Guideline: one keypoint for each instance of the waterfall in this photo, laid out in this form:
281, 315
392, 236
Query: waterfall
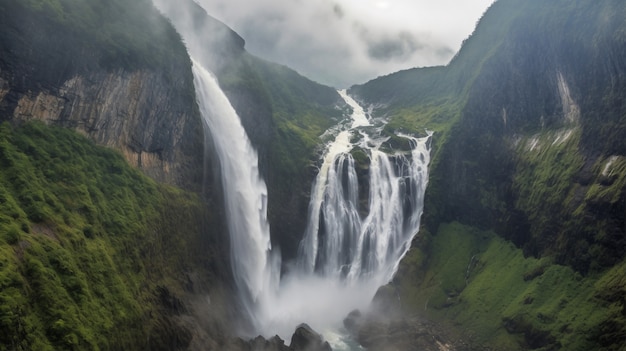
355, 238
349, 248
339, 243
345, 254
255, 266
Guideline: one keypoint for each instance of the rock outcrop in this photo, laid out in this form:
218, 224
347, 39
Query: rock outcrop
128, 86
138, 113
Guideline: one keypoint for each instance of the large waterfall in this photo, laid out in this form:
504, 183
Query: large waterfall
349, 249
339, 242
355, 237
255, 267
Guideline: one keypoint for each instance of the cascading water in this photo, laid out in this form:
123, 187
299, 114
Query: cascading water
350, 249
341, 244
255, 267
353, 242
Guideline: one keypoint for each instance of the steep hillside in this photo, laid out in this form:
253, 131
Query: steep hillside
89, 259
529, 119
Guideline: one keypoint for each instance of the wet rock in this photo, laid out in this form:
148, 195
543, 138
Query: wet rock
273, 344
306, 339
353, 321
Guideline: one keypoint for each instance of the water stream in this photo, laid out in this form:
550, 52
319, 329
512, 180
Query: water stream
361, 218
255, 266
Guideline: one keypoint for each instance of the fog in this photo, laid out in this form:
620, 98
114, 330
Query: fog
345, 42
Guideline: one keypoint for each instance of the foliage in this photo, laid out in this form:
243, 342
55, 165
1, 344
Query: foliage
84, 241
547, 166
51, 40
506, 301
509, 160
284, 115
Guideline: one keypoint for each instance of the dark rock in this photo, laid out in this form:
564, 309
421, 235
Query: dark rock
275, 343
353, 321
306, 339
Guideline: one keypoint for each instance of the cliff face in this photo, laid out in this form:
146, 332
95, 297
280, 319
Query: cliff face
118, 73
529, 114
136, 113
543, 117
529, 143
137, 100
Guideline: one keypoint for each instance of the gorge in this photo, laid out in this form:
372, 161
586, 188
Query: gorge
131, 217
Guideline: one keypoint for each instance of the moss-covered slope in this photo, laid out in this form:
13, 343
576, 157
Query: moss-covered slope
94, 255
504, 300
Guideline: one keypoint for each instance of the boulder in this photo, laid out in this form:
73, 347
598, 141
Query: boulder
306, 339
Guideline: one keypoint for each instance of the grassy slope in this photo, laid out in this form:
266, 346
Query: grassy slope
506, 301
88, 244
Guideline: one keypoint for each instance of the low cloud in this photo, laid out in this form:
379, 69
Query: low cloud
345, 42
402, 46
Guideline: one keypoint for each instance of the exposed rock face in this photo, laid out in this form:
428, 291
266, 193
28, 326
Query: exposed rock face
138, 113
123, 89
306, 339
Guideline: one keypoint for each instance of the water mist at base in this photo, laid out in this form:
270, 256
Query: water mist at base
346, 254
350, 249
353, 241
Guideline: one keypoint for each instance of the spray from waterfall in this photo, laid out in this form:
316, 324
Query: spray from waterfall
345, 256
354, 239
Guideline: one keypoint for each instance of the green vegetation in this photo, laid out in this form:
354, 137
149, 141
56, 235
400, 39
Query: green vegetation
435, 116
87, 244
285, 115
538, 261
506, 301
128, 34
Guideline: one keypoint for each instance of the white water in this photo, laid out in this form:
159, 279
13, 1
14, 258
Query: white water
342, 245
347, 252
345, 255
255, 267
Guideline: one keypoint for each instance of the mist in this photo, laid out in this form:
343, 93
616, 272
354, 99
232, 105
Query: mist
345, 42
275, 303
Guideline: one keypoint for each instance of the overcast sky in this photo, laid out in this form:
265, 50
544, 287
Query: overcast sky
346, 42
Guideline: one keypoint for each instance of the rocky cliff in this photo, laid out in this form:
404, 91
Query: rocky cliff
124, 90
528, 119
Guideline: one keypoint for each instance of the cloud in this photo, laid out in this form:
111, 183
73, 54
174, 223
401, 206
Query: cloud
344, 42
